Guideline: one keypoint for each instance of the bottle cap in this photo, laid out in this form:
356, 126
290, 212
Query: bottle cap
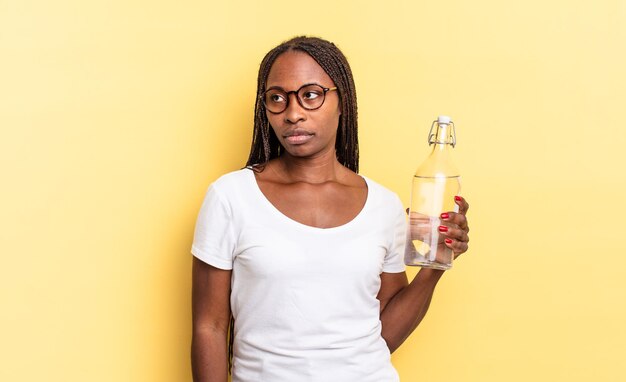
443, 120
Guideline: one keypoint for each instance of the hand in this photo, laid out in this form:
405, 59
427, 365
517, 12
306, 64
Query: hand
455, 229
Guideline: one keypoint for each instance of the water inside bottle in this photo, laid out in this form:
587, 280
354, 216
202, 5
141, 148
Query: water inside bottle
430, 197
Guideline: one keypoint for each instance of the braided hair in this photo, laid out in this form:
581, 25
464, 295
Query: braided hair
265, 144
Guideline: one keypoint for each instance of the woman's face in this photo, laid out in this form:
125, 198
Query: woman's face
304, 133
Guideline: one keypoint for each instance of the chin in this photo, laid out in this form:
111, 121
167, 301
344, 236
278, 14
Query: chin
299, 152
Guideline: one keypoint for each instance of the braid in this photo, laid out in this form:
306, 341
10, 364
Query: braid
265, 144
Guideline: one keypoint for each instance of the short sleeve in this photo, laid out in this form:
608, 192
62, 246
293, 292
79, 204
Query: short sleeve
394, 259
214, 239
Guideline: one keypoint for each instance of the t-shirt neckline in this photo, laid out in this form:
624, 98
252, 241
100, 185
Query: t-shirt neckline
275, 211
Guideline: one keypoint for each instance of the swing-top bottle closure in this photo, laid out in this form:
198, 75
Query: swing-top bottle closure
442, 132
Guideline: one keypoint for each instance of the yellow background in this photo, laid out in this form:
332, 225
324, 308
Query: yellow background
116, 115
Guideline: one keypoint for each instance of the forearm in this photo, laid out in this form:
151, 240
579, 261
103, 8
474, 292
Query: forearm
209, 356
408, 307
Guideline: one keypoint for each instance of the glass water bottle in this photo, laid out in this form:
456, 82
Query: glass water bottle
435, 184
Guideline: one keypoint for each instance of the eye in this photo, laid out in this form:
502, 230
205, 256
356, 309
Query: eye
275, 98
311, 94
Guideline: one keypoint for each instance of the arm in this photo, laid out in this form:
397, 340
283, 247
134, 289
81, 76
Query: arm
211, 319
404, 305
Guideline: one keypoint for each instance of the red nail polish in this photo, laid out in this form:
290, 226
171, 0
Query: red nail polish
458, 198
445, 215
449, 241
443, 228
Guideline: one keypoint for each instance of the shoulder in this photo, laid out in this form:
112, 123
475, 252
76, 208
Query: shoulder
381, 193
384, 203
229, 192
233, 180
230, 187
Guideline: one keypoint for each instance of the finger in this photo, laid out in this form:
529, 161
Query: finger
455, 219
458, 247
457, 234
462, 203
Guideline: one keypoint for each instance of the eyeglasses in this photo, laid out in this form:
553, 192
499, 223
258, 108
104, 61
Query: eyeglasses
309, 96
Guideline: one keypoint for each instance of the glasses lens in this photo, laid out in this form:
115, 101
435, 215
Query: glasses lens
311, 96
275, 100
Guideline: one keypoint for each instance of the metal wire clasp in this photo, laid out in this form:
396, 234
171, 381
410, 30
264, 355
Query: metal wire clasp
431, 136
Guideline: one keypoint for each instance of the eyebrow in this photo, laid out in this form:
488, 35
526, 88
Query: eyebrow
301, 86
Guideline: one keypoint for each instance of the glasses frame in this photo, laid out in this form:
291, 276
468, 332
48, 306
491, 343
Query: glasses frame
288, 99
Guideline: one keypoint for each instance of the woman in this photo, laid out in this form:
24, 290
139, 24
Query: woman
305, 254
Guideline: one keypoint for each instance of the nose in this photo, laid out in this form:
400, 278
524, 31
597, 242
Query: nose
294, 111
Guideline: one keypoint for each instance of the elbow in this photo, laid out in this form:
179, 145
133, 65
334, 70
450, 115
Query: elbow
393, 345
393, 342
211, 330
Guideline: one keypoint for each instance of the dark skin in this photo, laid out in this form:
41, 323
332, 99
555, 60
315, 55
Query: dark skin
309, 185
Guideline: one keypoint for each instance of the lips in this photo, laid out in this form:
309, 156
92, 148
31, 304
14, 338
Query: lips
298, 137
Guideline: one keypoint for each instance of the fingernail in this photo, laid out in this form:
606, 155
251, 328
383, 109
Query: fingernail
445, 215
443, 228
448, 241
458, 198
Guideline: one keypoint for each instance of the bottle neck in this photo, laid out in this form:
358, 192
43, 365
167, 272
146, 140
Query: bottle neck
443, 137
439, 163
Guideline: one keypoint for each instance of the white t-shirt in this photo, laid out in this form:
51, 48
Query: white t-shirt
303, 298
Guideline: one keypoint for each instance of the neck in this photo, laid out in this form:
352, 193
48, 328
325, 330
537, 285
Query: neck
317, 170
